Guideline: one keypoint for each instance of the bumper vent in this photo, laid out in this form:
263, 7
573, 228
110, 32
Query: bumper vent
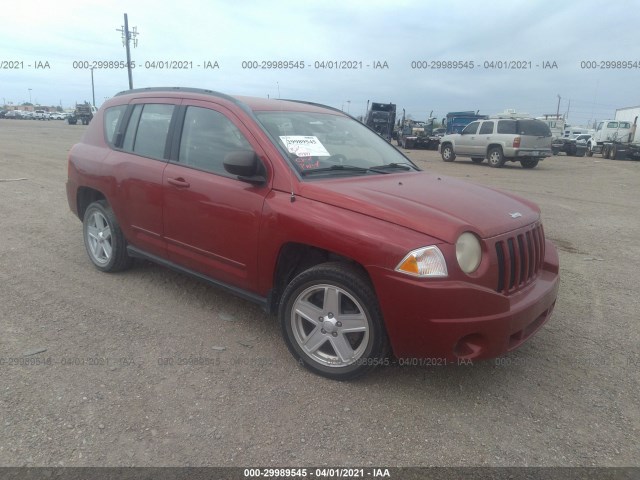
520, 258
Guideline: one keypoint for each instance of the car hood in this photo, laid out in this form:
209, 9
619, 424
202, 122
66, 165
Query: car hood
438, 206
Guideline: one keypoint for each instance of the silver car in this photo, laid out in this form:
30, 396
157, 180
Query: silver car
499, 140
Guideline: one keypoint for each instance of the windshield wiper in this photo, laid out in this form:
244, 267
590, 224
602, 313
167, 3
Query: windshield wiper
390, 166
335, 168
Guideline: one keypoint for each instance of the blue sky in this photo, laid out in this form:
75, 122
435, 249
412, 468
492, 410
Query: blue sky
533, 33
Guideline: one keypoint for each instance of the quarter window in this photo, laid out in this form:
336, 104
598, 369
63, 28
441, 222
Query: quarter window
507, 126
207, 138
112, 117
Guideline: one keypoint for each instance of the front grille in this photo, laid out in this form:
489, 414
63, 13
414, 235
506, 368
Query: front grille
520, 258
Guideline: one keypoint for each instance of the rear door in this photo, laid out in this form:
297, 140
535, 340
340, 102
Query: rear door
484, 137
138, 165
212, 219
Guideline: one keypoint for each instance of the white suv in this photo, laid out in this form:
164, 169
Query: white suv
518, 140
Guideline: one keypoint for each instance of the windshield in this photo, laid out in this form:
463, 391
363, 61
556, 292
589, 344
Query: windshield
331, 144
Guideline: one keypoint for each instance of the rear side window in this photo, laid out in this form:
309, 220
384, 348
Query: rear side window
486, 128
471, 128
507, 126
112, 117
534, 128
148, 128
207, 138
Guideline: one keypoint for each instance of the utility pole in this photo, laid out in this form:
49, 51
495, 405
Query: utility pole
127, 37
558, 110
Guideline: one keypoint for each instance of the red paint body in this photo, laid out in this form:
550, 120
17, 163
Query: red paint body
233, 231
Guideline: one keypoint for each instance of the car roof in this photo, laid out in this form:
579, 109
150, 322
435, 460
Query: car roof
253, 104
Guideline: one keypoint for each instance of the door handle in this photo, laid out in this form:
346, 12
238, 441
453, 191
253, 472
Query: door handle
179, 182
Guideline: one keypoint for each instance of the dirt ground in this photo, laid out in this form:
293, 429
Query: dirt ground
150, 367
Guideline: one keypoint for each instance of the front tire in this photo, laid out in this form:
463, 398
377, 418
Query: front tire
447, 153
331, 322
103, 238
496, 157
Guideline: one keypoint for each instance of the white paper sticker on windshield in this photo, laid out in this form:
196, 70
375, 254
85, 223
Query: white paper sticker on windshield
304, 146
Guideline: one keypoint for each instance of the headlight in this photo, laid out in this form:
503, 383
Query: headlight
468, 252
424, 262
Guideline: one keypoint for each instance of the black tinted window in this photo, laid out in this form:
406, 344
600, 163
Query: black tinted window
507, 126
533, 127
207, 138
486, 128
471, 128
148, 136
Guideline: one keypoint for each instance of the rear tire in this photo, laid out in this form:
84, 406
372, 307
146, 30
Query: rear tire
103, 238
529, 163
589, 152
496, 157
447, 153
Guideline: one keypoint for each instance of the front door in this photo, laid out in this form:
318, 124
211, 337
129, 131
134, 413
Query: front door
212, 219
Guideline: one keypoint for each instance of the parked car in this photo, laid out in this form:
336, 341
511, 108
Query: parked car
27, 115
574, 145
56, 116
14, 114
3, 113
309, 213
41, 115
500, 140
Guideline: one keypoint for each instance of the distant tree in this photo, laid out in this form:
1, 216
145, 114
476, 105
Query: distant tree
27, 104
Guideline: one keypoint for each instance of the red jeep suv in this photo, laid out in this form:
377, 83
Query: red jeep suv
307, 212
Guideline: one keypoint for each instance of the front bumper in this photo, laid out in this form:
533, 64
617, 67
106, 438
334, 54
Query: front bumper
458, 320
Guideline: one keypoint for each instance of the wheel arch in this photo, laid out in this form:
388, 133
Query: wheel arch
493, 145
294, 258
85, 197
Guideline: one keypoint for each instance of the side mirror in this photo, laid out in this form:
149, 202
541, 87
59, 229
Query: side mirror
246, 166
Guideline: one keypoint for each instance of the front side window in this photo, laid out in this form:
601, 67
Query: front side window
471, 128
612, 125
331, 144
207, 138
147, 130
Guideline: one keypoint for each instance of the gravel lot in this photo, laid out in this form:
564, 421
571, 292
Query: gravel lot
150, 367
